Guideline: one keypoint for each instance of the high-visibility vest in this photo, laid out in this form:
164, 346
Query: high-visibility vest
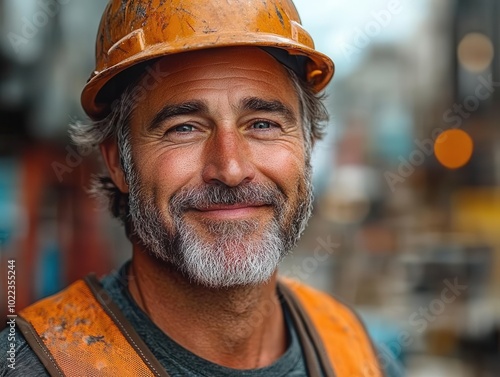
81, 332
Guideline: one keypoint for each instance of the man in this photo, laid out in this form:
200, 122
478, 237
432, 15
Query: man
205, 114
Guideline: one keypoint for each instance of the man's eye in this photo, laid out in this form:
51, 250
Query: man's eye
183, 128
261, 124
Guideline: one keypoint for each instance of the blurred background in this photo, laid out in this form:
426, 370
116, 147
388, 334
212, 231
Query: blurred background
407, 182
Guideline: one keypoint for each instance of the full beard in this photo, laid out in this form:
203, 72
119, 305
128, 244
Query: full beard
222, 253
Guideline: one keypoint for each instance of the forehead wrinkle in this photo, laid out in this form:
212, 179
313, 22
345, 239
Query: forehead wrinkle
183, 82
184, 67
228, 65
187, 86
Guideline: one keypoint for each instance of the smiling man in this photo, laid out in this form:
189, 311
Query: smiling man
206, 114
217, 179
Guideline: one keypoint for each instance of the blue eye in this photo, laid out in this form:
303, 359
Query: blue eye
184, 128
262, 125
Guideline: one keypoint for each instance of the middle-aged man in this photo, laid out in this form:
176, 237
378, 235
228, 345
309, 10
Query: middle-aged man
205, 113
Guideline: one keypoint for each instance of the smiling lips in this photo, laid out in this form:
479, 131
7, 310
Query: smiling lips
224, 211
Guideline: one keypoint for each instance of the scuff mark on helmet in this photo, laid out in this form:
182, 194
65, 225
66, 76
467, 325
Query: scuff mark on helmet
280, 16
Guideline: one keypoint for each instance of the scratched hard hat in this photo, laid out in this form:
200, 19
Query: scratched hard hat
134, 32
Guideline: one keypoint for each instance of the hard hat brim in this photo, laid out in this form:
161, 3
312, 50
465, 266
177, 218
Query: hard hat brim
100, 81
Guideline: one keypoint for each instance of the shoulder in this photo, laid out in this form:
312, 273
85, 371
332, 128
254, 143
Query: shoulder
318, 302
324, 311
74, 306
336, 325
20, 359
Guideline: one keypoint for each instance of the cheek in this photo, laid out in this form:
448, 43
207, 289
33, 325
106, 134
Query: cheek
284, 166
166, 172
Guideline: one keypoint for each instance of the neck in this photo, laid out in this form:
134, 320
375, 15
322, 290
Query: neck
240, 327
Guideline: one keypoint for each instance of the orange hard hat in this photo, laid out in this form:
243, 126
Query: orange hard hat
136, 31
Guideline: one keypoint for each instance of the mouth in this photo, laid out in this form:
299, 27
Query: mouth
233, 211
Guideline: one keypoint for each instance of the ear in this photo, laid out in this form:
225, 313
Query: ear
111, 156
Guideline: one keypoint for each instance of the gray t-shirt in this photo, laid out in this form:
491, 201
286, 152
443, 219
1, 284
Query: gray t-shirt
177, 361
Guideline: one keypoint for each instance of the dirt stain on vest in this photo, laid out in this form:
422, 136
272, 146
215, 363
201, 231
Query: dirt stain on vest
94, 339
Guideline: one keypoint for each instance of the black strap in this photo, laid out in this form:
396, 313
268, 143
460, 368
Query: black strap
124, 325
317, 360
38, 347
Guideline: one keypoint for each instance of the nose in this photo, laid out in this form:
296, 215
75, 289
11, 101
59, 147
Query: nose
227, 159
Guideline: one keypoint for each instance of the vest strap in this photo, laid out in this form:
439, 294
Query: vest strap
38, 347
79, 332
125, 326
342, 344
316, 365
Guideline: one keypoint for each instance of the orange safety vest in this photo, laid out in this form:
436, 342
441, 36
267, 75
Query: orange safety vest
81, 332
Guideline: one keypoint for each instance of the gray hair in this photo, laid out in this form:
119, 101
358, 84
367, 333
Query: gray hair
116, 125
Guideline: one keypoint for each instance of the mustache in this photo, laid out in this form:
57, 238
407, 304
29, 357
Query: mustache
204, 196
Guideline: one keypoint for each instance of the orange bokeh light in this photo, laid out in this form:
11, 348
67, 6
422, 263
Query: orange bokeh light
453, 148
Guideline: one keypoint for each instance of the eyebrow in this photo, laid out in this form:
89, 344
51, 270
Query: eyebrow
269, 106
171, 111
194, 107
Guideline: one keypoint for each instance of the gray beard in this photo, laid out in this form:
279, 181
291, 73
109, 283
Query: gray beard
231, 252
